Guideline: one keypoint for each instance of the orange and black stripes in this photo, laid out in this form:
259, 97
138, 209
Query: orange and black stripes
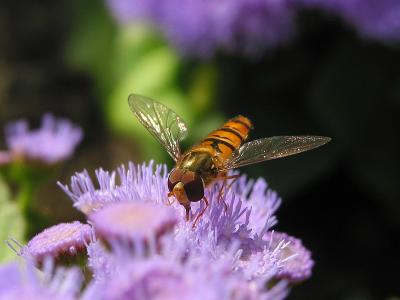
229, 137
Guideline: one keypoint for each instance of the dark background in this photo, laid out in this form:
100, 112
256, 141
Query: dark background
342, 200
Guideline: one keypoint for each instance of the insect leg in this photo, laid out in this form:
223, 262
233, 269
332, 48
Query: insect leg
169, 202
222, 190
200, 213
187, 213
235, 178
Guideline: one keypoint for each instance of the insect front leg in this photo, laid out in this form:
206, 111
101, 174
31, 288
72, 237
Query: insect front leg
169, 202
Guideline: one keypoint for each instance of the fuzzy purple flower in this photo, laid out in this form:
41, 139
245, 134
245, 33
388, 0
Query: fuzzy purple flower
165, 275
53, 142
59, 242
122, 205
138, 183
51, 284
296, 259
200, 28
377, 19
134, 221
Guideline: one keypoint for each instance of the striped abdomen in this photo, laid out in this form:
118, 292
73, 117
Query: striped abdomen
229, 137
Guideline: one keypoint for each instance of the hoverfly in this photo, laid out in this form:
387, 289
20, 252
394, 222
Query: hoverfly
209, 160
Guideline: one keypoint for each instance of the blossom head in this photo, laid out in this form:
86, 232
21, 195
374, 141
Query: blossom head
229, 254
61, 242
138, 183
133, 221
26, 283
53, 142
296, 262
160, 276
378, 20
200, 28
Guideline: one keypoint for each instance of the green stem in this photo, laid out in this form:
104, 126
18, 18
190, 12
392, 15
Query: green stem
25, 197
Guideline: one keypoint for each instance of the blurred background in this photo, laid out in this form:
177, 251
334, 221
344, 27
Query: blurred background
293, 67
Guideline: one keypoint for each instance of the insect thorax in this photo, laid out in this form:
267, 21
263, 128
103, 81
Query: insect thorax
200, 162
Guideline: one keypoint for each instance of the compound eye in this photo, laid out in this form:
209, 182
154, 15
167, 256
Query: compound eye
194, 189
173, 178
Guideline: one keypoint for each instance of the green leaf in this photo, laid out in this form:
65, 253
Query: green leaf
90, 45
12, 224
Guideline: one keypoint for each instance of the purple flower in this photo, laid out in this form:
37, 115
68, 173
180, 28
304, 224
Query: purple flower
133, 202
5, 157
136, 221
138, 182
158, 276
100, 262
378, 19
61, 241
200, 28
53, 142
52, 284
296, 262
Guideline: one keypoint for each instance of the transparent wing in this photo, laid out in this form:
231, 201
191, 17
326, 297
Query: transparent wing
163, 123
271, 148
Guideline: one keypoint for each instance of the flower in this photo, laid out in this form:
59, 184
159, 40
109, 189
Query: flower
203, 27
231, 250
100, 262
200, 28
27, 283
5, 157
61, 241
296, 262
134, 221
376, 19
137, 182
53, 142
159, 276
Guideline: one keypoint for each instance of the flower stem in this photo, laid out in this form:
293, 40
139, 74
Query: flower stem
25, 197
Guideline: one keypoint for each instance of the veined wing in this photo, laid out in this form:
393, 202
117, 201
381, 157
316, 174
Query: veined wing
163, 123
271, 148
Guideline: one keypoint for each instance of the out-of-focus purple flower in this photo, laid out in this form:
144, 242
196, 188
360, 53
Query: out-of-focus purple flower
100, 262
199, 28
157, 276
52, 284
202, 27
378, 19
133, 221
53, 142
296, 262
5, 157
58, 242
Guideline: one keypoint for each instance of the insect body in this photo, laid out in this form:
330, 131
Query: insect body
221, 150
201, 165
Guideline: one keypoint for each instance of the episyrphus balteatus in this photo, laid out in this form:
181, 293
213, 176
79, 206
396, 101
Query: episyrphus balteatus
220, 151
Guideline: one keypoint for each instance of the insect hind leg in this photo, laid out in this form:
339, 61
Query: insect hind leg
201, 213
222, 191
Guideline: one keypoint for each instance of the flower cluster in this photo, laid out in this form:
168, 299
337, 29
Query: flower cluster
28, 283
139, 245
201, 27
377, 19
53, 142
